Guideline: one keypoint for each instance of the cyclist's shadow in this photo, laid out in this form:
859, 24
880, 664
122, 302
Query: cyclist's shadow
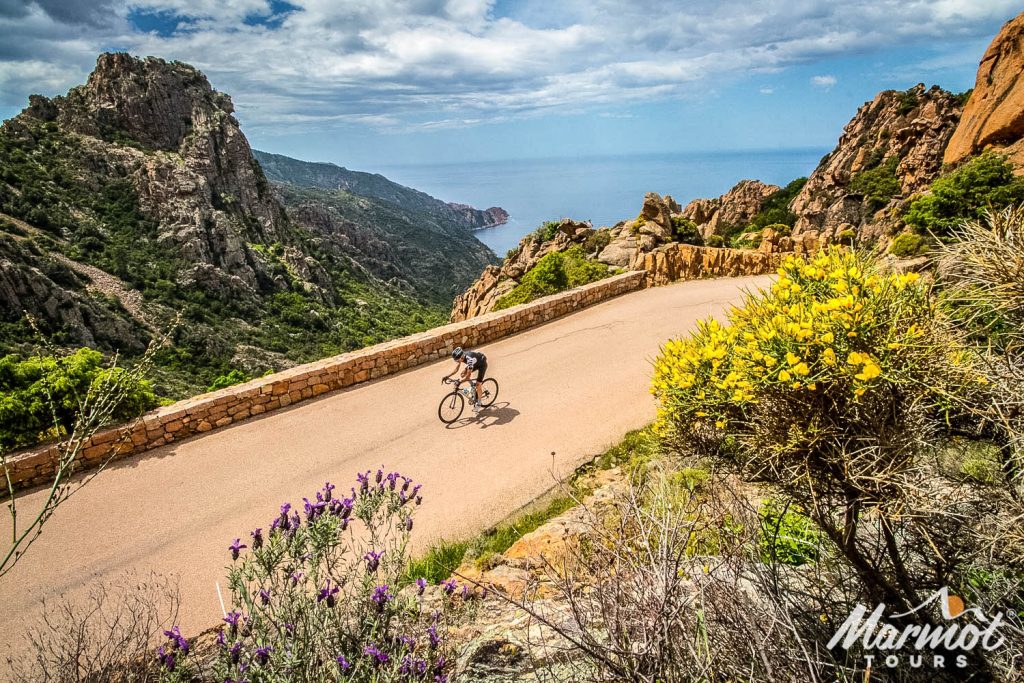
494, 416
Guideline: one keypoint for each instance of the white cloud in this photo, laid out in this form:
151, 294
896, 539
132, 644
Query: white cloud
767, 91
443, 63
826, 82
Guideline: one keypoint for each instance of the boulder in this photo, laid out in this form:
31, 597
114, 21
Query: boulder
655, 217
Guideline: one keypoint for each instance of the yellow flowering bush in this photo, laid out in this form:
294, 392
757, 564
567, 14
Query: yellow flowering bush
835, 358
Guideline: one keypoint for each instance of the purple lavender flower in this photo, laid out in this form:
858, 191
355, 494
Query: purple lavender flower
372, 560
327, 594
449, 586
290, 628
235, 652
421, 585
380, 476
419, 500
265, 596
257, 539
435, 640
221, 640
342, 663
236, 548
439, 665
232, 619
466, 594
380, 657
393, 480
179, 641
364, 481
262, 654
328, 487
405, 484
381, 595
408, 523
408, 641
296, 577
166, 659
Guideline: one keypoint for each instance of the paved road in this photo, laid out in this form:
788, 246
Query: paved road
572, 387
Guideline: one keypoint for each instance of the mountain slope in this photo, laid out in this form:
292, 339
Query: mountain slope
309, 174
141, 182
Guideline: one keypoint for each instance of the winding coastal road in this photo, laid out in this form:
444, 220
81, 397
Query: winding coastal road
571, 387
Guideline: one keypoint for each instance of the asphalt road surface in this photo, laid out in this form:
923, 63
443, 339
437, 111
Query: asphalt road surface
571, 387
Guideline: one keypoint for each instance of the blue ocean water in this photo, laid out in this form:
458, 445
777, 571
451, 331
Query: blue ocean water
603, 190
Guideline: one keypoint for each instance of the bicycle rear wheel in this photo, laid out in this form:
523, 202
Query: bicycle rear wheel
488, 391
451, 407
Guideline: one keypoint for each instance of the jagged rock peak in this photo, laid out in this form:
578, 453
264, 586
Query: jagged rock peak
901, 132
994, 115
736, 207
150, 101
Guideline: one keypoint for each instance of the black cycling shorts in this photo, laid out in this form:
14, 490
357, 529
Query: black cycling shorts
481, 370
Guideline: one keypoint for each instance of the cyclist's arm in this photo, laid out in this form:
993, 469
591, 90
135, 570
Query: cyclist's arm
448, 376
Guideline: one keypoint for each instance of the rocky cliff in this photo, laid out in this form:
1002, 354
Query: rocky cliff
994, 114
136, 196
736, 207
890, 150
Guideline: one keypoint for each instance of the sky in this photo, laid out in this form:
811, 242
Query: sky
380, 83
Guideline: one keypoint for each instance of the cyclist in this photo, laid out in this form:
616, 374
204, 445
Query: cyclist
474, 360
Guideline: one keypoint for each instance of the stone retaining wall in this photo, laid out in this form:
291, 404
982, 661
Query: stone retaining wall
240, 402
675, 261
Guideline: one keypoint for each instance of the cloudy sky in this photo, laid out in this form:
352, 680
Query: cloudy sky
370, 83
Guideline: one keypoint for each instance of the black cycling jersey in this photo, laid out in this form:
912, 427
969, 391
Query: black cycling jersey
476, 361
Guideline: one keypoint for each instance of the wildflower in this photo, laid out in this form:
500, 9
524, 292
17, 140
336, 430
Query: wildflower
435, 640
364, 481
221, 640
381, 595
179, 641
264, 596
784, 376
166, 659
421, 585
449, 586
232, 619
257, 539
372, 560
327, 594
328, 487
408, 523
236, 547
262, 654
380, 657
343, 663
466, 593
296, 577
235, 653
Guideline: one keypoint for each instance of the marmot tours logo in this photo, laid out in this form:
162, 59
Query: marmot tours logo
941, 645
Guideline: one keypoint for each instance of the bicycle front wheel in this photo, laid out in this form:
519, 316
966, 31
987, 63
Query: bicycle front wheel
451, 407
488, 391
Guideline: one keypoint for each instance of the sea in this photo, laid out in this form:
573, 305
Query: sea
601, 189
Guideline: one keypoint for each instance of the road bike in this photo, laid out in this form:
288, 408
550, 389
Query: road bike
454, 403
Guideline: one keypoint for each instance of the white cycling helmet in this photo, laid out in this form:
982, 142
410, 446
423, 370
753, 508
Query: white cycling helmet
457, 353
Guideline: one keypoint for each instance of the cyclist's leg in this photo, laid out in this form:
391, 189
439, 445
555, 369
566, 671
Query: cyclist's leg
481, 371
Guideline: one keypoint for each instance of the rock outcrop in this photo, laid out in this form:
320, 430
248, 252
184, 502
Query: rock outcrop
496, 281
900, 135
994, 114
738, 206
672, 262
653, 226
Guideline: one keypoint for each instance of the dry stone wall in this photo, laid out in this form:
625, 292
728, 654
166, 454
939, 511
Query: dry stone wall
240, 402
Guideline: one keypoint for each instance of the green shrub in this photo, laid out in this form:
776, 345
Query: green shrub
985, 182
236, 376
597, 241
546, 231
908, 101
686, 231
29, 387
908, 244
553, 273
847, 237
714, 241
787, 535
878, 184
